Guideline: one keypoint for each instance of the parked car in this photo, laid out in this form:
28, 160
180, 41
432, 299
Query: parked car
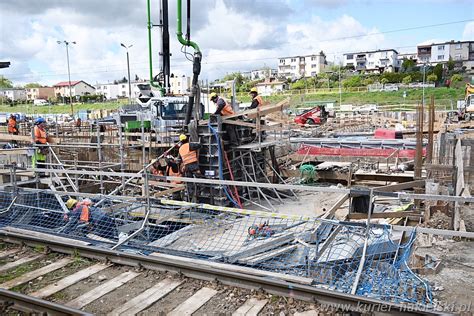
41, 102
316, 116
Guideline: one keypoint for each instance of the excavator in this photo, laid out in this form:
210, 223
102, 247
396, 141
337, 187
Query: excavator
467, 112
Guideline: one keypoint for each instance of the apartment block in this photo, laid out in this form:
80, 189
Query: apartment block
296, 67
372, 61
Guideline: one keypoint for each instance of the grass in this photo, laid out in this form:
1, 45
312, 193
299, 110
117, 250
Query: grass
59, 108
24, 268
444, 98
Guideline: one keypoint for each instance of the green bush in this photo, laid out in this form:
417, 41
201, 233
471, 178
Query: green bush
384, 81
456, 78
407, 79
432, 78
354, 81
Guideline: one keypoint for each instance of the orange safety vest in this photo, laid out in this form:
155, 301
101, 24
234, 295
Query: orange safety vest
171, 173
12, 126
259, 100
40, 135
187, 155
84, 214
227, 110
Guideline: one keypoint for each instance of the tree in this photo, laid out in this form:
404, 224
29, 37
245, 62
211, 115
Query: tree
384, 81
32, 85
438, 71
406, 79
407, 65
450, 63
432, 78
298, 85
5, 83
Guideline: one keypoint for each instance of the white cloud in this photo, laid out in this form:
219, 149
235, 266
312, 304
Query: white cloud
468, 33
232, 34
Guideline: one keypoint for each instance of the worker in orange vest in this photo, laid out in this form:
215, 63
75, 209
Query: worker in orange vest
189, 156
225, 109
12, 125
41, 138
257, 100
84, 218
172, 169
13, 128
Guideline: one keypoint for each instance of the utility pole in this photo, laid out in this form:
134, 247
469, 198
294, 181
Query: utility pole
68, 72
128, 69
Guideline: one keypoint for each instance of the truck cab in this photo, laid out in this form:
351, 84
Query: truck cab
163, 115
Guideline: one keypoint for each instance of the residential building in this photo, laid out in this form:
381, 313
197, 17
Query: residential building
180, 85
296, 67
43, 93
461, 52
263, 73
372, 61
271, 86
117, 90
439, 53
14, 94
408, 56
78, 88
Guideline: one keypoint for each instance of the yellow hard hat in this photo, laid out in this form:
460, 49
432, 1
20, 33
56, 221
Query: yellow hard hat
213, 95
182, 137
70, 203
254, 89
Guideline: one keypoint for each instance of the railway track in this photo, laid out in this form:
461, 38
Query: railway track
60, 277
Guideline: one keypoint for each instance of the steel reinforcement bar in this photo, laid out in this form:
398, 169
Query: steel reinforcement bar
193, 269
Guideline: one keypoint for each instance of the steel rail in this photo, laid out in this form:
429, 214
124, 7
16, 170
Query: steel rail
201, 270
29, 304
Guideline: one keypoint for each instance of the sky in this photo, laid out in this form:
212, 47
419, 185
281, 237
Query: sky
234, 35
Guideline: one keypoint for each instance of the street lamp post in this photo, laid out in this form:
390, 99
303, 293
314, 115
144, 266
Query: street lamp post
128, 69
68, 72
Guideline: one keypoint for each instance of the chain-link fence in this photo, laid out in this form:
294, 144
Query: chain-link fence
341, 256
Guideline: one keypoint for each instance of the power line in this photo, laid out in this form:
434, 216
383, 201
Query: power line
95, 69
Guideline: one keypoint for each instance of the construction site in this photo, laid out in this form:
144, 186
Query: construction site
164, 209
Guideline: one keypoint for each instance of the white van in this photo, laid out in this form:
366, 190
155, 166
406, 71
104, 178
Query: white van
40, 102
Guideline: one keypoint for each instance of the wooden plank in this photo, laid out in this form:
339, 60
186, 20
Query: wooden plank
146, 299
101, 290
68, 281
270, 243
253, 260
9, 252
401, 186
45, 236
169, 191
235, 268
36, 273
438, 167
383, 215
19, 262
251, 307
336, 206
193, 303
